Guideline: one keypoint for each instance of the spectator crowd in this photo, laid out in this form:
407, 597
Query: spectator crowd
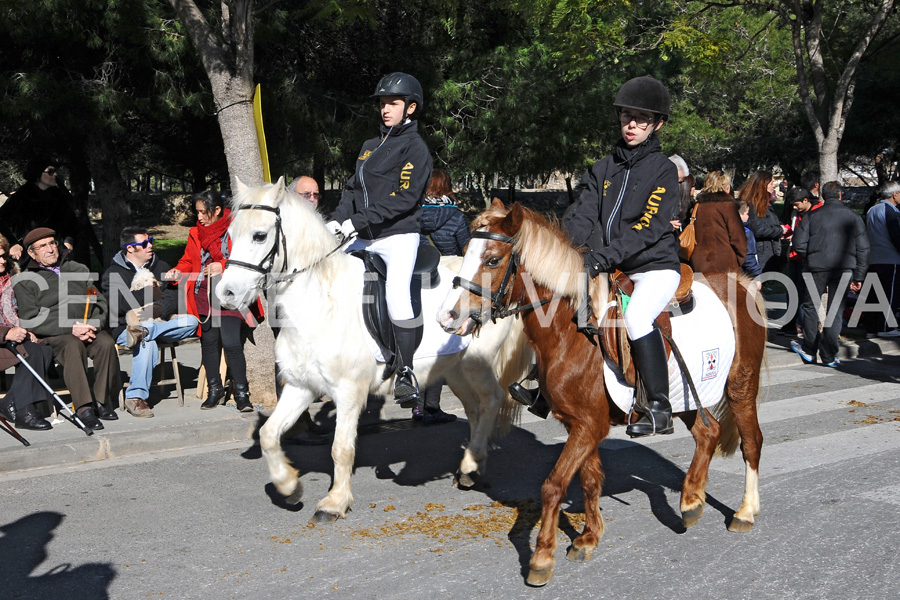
58, 314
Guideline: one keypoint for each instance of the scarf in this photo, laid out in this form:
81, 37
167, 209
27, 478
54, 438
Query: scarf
211, 235
442, 201
8, 314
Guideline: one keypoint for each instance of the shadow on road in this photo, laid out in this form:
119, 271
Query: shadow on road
23, 548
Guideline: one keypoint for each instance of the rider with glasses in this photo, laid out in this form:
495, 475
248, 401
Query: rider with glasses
382, 202
622, 218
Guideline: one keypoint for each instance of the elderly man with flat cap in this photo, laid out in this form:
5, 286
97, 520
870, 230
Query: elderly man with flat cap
53, 299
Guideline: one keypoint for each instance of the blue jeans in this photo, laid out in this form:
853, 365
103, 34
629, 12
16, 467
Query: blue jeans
146, 354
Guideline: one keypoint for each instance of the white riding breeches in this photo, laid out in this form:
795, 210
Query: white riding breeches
399, 254
653, 291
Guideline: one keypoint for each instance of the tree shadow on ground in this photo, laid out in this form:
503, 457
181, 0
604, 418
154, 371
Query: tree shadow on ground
23, 547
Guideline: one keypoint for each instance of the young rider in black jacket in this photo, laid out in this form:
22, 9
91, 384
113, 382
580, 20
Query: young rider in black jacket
382, 202
622, 217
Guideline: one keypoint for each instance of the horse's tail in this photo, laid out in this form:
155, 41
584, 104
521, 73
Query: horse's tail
512, 363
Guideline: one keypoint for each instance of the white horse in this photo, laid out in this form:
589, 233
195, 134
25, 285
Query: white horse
324, 348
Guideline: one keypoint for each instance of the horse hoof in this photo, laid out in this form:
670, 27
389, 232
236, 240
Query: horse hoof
465, 481
739, 526
539, 577
690, 517
296, 496
579, 554
323, 517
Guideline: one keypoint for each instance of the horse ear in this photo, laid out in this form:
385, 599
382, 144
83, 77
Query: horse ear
497, 203
513, 221
239, 186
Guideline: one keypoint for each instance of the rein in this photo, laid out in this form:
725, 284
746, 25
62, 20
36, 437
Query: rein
499, 309
280, 239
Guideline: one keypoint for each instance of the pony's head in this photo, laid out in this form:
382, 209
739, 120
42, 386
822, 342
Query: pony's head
506, 242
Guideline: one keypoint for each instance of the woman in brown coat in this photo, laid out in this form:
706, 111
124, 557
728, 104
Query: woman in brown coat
721, 242
18, 404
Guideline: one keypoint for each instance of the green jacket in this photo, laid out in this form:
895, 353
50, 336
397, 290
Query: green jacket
45, 310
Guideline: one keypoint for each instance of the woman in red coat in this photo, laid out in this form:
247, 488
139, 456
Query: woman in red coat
204, 259
721, 242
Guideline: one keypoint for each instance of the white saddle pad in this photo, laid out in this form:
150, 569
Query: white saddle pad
435, 341
705, 337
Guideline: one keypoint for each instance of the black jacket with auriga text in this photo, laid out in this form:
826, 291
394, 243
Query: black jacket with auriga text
384, 195
622, 216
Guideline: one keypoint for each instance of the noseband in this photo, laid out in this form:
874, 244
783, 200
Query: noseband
499, 307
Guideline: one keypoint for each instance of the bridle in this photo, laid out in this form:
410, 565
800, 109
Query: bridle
264, 267
500, 308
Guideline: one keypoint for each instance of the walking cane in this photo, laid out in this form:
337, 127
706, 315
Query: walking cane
68, 415
5, 426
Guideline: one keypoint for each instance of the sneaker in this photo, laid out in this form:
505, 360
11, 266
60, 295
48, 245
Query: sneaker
417, 415
890, 334
833, 363
137, 407
798, 348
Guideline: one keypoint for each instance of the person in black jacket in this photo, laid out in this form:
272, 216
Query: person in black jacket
622, 217
381, 204
40, 202
835, 249
758, 192
141, 307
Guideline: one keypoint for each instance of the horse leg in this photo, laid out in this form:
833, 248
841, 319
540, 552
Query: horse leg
591, 475
293, 402
573, 456
482, 398
742, 399
693, 490
349, 404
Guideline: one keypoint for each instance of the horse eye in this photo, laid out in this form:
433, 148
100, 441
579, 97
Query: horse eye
493, 261
259, 237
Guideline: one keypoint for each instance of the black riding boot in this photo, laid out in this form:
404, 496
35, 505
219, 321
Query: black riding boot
406, 386
215, 395
242, 397
649, 354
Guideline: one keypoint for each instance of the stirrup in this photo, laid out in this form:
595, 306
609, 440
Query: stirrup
406, 388
651, 423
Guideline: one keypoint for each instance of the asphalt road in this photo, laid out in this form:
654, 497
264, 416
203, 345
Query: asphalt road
205, 523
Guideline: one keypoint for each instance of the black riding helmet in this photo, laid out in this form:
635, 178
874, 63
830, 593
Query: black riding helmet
403, 85
644, 93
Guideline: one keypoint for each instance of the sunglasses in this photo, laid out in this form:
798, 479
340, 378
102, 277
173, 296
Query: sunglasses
50, 171
308, 195
144, 244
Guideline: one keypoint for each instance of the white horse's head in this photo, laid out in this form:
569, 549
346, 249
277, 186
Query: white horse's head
272, 232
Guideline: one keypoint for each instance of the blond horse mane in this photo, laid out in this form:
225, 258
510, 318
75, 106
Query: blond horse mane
547, 253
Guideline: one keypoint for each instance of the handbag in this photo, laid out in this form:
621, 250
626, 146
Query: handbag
688, 238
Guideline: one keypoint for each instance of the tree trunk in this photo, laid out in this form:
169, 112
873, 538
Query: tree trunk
227, 58
110, 188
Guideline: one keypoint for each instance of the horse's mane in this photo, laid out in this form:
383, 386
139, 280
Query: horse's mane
308, 240
546, 251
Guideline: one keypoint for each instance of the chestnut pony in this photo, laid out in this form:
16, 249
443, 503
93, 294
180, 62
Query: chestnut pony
571, 374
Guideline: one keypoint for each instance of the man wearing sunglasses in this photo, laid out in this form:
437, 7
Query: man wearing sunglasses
306, 188
42, 201
142, 311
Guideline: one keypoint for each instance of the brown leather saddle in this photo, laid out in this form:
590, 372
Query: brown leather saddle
614, 340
